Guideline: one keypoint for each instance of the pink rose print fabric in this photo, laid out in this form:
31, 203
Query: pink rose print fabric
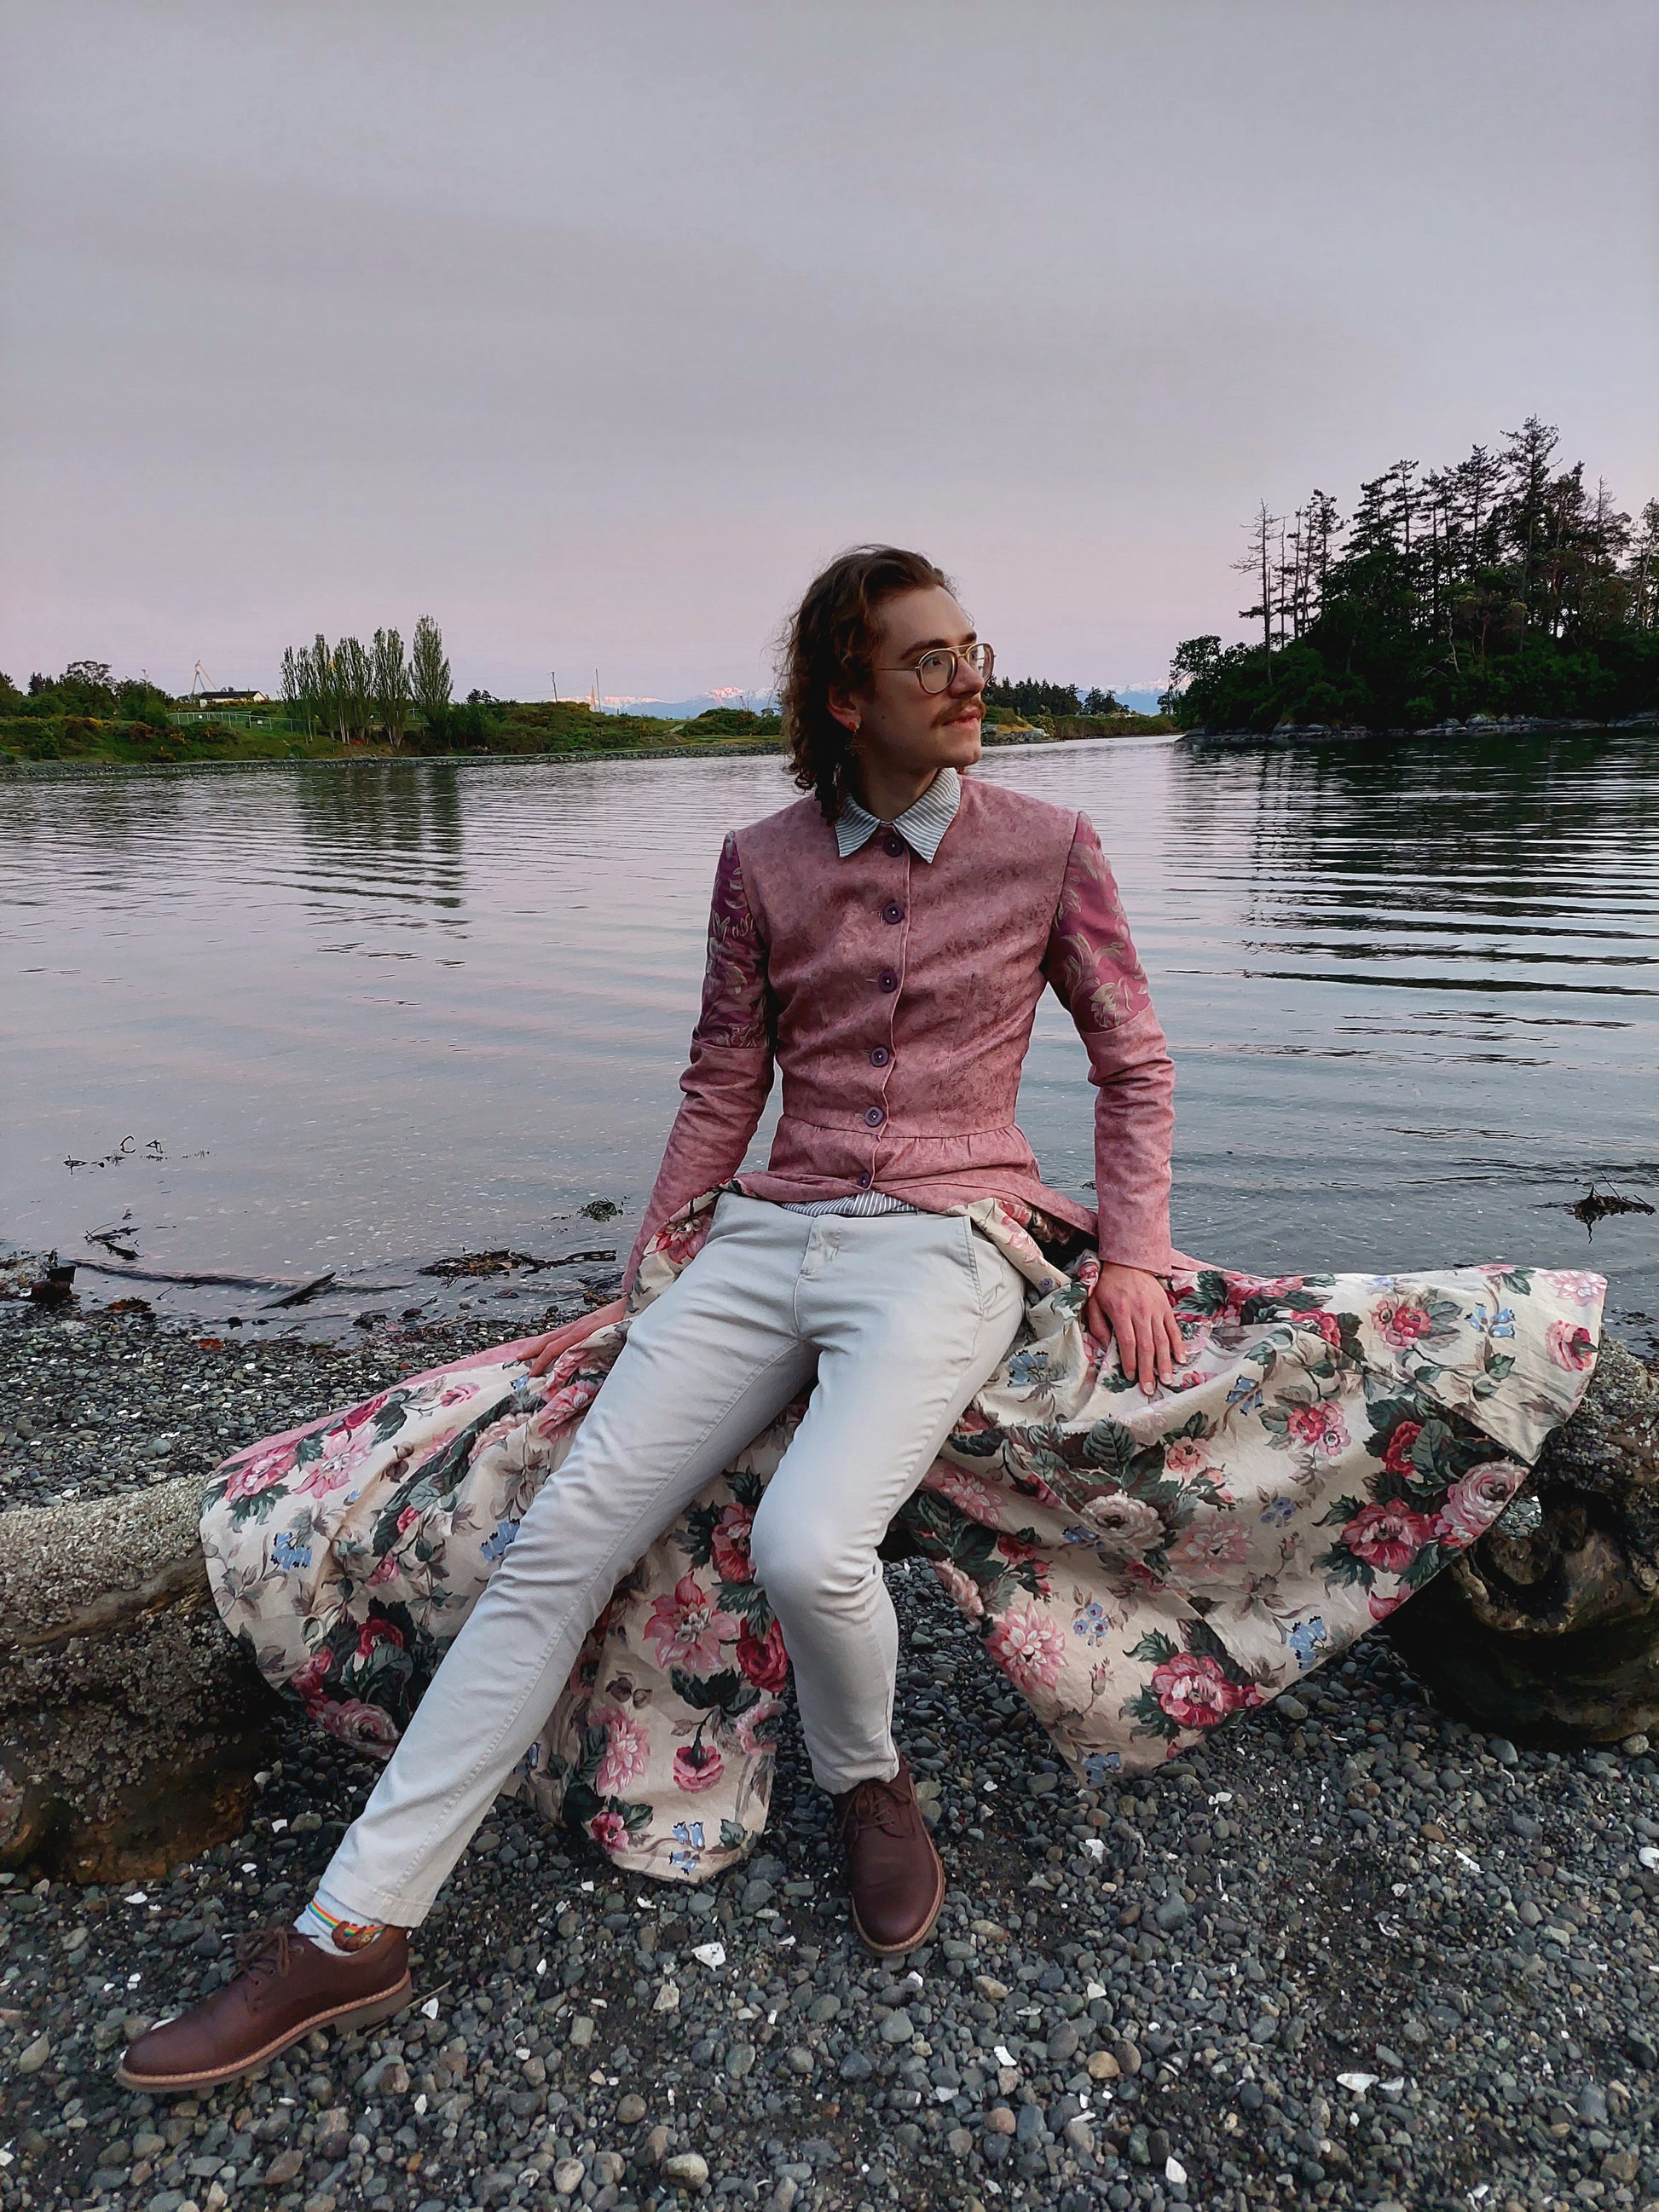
1138, 1569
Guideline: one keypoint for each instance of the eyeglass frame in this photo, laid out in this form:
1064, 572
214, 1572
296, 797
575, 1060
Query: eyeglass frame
945, 652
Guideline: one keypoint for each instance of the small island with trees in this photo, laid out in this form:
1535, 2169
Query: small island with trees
1502, 587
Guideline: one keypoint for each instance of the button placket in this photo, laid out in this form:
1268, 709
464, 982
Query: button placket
895, 911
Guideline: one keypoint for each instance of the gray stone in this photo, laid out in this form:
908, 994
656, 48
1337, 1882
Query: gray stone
897, 2028
689, 2167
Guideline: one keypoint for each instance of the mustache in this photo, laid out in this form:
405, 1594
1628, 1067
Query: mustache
975, 703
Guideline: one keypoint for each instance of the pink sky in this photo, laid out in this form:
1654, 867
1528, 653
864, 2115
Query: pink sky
591, 331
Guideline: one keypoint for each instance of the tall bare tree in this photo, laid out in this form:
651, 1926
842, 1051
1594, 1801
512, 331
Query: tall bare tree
1257, 562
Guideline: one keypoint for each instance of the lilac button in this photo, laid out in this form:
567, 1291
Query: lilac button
863, 1179
895, 847
892, 911
888, 980
874, 1116
880, 1056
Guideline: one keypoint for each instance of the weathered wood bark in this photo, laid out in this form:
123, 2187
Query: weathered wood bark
131, 1725
1550, 1633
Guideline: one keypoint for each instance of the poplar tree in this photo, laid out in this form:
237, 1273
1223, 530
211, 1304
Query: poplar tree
430, 672
293, 683
392, 688
354, 689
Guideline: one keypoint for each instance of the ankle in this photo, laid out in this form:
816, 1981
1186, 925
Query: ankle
333, 1929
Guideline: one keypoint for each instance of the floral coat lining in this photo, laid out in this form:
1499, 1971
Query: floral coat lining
1138, 1569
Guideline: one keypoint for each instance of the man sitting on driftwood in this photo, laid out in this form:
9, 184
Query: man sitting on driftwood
885, 943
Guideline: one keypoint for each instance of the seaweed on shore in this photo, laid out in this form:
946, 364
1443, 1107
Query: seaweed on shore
1595, 1205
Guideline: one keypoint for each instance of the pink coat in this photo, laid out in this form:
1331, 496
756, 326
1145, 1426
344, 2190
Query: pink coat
895, 996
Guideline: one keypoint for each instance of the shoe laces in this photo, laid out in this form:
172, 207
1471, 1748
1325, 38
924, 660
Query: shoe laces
267, 1950
874, 1804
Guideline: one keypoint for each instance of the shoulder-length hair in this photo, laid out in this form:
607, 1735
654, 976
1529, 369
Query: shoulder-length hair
827, 646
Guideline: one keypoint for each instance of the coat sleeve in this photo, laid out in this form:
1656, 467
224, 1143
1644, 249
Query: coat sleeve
729, 1076
1091, 962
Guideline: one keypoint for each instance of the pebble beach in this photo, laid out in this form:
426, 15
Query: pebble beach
1351, 1953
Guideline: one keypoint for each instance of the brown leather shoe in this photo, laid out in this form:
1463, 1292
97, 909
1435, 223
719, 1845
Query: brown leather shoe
897, 1882
287, 1986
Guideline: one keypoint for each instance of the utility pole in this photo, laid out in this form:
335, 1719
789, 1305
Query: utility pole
554, 673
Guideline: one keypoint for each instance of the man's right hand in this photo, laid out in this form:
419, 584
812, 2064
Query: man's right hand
543, 1350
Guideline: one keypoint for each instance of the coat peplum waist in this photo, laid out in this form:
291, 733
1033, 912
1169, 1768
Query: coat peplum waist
937, 1104
812, 1159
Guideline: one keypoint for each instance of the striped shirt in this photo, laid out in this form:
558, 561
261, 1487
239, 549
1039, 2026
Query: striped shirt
922, 825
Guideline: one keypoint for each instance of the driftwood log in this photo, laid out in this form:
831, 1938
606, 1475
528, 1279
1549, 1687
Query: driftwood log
131, 1725
1547, 1630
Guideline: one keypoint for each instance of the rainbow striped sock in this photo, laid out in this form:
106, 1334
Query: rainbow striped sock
330, 1929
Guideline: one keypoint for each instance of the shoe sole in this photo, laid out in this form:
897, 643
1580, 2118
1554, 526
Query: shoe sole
911, 1942
369, 2014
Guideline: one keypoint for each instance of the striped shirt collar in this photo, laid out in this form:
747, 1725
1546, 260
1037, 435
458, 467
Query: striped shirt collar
922, 825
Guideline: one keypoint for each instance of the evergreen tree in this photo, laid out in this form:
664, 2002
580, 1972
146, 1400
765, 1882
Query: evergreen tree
1499, 585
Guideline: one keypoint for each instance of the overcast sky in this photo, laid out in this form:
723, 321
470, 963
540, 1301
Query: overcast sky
591, 330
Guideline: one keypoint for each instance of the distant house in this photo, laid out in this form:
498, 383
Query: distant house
236, 708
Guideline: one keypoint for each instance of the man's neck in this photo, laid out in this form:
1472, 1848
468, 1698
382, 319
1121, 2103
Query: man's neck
886, 792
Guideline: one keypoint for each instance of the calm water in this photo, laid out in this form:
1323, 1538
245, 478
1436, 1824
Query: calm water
357, 1019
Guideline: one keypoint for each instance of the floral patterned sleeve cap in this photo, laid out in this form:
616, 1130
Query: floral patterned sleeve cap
1091, 960
735, 1012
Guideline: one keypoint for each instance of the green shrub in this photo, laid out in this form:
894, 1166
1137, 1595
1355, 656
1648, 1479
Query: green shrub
731, 722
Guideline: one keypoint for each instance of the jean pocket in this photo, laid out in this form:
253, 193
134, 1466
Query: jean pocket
979, 1275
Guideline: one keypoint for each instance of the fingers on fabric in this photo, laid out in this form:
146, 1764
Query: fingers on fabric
1143, 1327
546, 1349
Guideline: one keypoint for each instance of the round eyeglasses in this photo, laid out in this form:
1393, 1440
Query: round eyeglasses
936, 669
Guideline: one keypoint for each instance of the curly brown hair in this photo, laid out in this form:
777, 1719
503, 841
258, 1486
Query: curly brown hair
830, 646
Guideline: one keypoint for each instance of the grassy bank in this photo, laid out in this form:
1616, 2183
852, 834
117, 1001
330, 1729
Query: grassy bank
542, 730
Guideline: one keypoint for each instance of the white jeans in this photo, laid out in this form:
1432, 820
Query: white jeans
902, 1316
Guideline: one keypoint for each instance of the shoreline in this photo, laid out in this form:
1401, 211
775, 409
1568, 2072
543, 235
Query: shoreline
1480, 725
58, 771
1179, 1969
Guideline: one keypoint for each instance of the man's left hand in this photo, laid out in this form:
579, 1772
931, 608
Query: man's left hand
1131, 1308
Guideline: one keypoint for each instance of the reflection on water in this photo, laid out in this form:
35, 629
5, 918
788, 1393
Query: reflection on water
374, 1014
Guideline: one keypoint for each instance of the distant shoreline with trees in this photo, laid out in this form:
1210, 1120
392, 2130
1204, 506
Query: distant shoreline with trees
352, 701
1499, 588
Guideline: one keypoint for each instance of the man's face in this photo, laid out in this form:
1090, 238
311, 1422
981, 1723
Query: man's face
896, 721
